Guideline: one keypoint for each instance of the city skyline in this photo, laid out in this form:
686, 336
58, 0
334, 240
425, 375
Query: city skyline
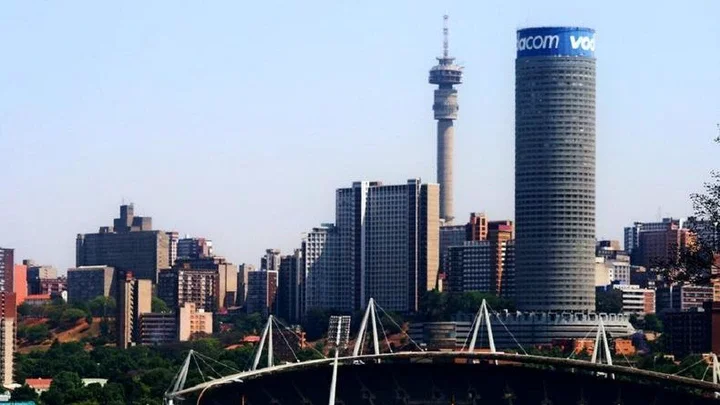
84, 186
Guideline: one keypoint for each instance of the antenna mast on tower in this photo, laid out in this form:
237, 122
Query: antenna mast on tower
446, 45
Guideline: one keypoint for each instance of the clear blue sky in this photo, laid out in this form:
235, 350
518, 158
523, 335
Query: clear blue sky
238, 120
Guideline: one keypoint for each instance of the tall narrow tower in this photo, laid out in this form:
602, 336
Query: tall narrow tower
445, 106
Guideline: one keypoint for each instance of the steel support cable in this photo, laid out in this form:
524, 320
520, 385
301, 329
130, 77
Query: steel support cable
399, 327
690, 366
497, 316
387, 341
470, 332
298, 336
198, 367
286, 341
207, 360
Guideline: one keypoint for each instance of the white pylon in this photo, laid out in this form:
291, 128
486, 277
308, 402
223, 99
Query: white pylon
333, 382
482, 313
266, 335
601, 339
370, 312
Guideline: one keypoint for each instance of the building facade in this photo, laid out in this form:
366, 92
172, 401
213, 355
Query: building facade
636, 300
210, 283
632, 233
134, 298
87, 282
194, 248
243, 270
20, 285
389, 244
7, 267
8, 333
683, 297
290, 294
262, 292
555, 169
271, 260
129, 245
37, 273
513, 328
173, 239
320, 256
181, 325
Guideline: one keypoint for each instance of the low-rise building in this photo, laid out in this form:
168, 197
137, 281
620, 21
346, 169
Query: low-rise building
157, 328
53, 286
636, 300
38, 300
682, 297
687, 332
87, 282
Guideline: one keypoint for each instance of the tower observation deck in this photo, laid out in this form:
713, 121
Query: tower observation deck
445, 106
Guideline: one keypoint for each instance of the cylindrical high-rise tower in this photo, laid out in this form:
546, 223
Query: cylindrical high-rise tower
555, 169
445, 75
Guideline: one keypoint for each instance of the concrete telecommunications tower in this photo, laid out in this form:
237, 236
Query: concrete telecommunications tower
445, 107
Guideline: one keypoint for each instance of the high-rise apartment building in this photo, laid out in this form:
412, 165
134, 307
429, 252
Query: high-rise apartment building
632, 233
662, 246
134, 298
477, 226
389, 244
173, 239
555, 169
129, 245
243, 270
210, 283
262, 292
501, 234
481, 266
471, 267
320, 256
271, 260
7, 267
194, 248
8, 333
87, 282
291, 281
450, 235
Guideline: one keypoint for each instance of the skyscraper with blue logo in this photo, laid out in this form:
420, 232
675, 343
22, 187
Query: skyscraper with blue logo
555, 169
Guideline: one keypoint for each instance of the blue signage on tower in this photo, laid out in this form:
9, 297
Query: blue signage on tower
556, 41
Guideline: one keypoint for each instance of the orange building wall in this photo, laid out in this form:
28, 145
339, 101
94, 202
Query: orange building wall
20, 286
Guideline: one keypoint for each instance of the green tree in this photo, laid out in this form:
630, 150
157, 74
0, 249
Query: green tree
316, 323
24, 393
652, 322
24, 309
71, 316
159, 305
102, 306
609, 301
66, 387
34, 334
